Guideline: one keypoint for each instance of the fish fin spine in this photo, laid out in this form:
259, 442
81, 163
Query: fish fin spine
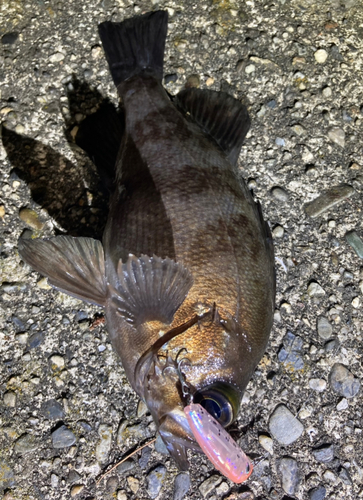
75, 266
150, 289
220, 115
135, 45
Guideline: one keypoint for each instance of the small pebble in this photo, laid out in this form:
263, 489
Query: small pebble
298, 129
343, 381
324, 328
76, 490
35, 340
193, 81
134, 484
331, 346
63, 437
315, 290
279, 194
10, 399
317, 384
52, 410
209, 82
278, 232
31, 218
121, 495
145, 457
250, 68
155, 480
279, 141
290, 475
327, 92
355, 242
284, 427
267, 443
25, 444
222, 489
356, 302
342, 405
181, 485
330, 477
19, 129
73, 477
126, 466
327, 200
345, 477
57, 362
317, 493
57, 57
337, 135
43, 284
290, 354
103, 448
96, 52
324, 453
54, 480
111, 485
2, 211
7, 476
321, 56
209, 484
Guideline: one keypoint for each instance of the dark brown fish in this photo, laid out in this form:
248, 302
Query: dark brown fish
185, 272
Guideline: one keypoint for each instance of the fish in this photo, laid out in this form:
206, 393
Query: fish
185, 270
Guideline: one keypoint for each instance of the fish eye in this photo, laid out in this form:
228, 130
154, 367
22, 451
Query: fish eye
219, 400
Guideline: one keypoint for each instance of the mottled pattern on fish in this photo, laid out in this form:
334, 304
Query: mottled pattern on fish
186, 272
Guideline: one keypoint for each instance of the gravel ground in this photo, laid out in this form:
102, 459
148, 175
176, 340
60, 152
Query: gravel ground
67, 410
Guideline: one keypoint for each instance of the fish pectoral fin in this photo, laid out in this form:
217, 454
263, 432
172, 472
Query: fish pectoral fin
220, 115
151, 288
75, 266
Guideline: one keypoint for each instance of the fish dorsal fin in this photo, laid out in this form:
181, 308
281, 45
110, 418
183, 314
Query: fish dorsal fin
72, 265
151, 288
221, 116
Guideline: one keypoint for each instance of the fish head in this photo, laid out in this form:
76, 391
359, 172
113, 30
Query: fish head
174, 376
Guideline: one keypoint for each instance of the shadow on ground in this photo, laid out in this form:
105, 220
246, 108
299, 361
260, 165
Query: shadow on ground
74, 194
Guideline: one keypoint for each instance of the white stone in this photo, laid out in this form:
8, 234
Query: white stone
57, 362
317, 384
57, 57
321, 56
337, 135
342, 405
104, 446
250, 69
267, 443
356, 303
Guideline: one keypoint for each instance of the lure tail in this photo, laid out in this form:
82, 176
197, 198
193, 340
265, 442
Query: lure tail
135, 46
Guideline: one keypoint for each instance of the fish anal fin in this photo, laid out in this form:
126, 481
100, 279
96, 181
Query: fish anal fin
150, 289
75, 266
220, 115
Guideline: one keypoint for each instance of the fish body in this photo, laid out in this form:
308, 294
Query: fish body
185, 272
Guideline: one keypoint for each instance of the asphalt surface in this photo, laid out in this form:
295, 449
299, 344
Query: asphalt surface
67, 411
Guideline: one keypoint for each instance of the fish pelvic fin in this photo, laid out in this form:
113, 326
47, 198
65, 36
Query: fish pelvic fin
219, 115
136, 45
75, 266
150, 289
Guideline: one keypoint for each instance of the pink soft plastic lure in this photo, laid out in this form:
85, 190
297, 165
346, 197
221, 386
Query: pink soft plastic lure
217, 444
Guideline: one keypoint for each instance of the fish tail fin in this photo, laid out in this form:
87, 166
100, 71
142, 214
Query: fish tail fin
136, 45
